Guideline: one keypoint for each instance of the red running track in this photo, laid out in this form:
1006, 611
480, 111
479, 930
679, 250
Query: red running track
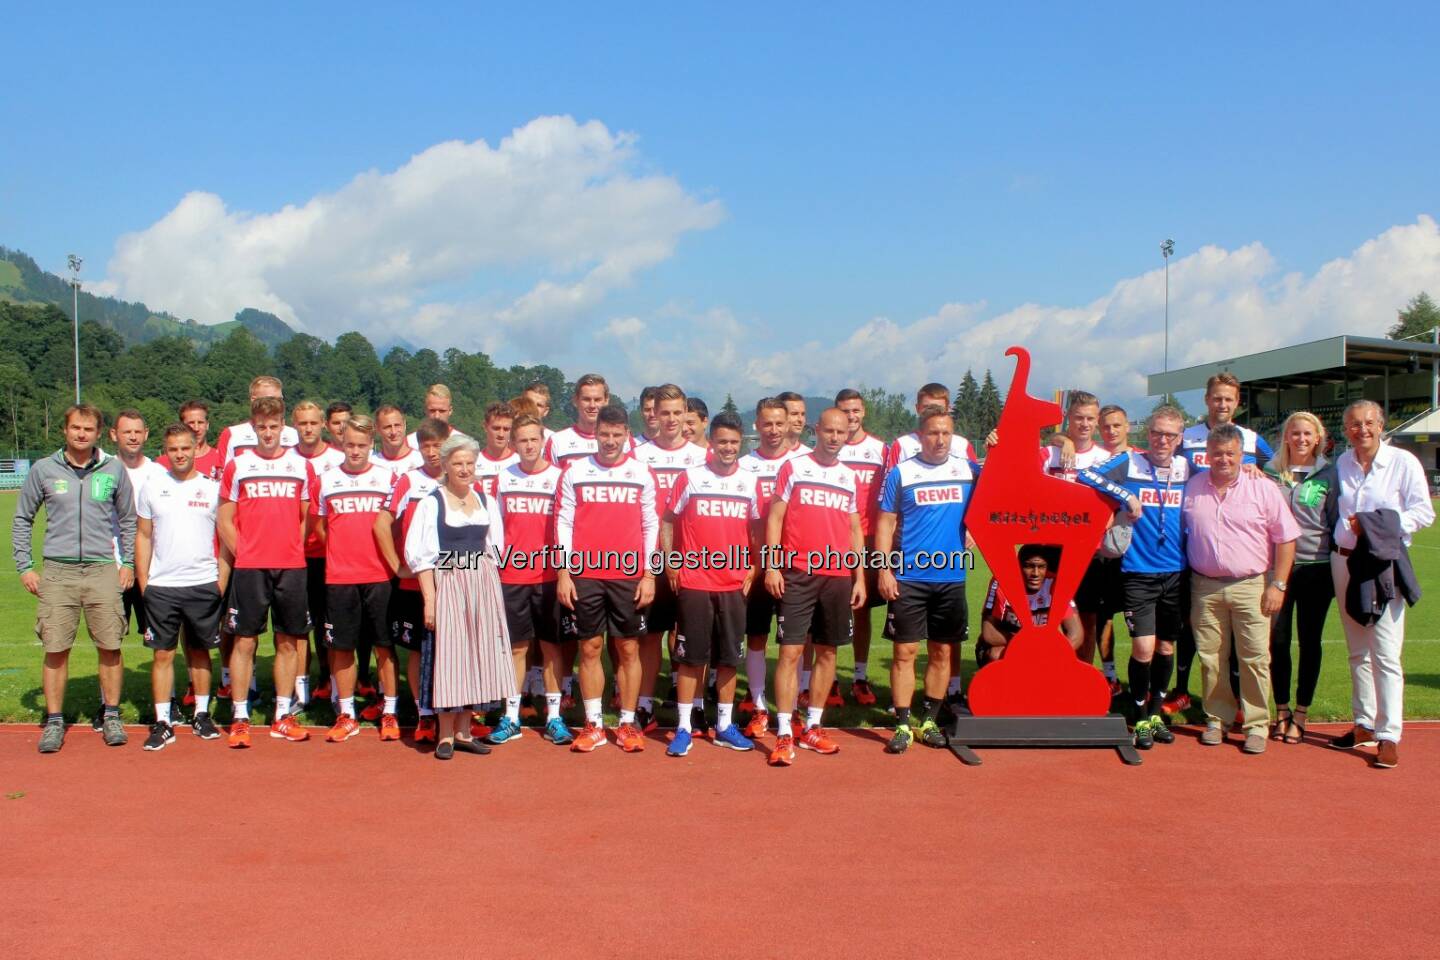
375, 849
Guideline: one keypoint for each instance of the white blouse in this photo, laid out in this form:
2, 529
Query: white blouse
422, 542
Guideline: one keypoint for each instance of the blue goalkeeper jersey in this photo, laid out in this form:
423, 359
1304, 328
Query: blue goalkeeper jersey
1253, 448
1157, 540
929, 501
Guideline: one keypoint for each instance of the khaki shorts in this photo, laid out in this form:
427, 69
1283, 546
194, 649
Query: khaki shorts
67, 590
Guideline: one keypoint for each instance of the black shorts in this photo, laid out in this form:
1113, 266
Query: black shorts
760, 610
407, 619
936, 612
133, 602
316, 594
607, 606
817, 605
357, 611
711, 628
196, 608
530, 612
1155, 604
1100, 591
661, 615
273, 596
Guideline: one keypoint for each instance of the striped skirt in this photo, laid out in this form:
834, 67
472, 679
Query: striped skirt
472, 642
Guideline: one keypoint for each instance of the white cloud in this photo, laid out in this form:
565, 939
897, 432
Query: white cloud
566, 204
1222, 303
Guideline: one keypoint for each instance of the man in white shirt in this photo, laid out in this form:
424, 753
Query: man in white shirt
129, 435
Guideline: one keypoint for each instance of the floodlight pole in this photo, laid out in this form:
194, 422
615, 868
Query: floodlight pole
1435, 370
75, 263
1167, 247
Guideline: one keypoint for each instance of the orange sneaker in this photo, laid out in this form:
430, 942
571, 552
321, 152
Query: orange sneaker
527, 710
747, 705
759, 724
363, 689
567, 702
223, 693
426, 730
784, 753
1175, 702
372, 712
389, 727
589, 739
345, 728
478, 730
240, 734
802, 702
863, 693
288, 728
797, 727
815, 739
629, 738
835, 698
321, 692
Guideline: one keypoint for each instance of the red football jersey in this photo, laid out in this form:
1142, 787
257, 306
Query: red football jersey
765, 470
714, 515
488, 470
407, 492
527, 507
268, 495
349, 503
607, 517
819, 503
866, 457
668, 465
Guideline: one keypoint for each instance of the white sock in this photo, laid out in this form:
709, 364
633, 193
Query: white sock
392, 704
647, 703
552, 707
594, 712
302, 688
162, 712
512, 709
953, 688
202, 703
698, 703
782, 724
812, 716
425, 711
334, 690
755, 676
534, 680
862, 670
240, 709
568, 684
1108, 666
282, 706
254, 685
725, 716
225, 676
710, 677
804, 679
685, 720
347, 707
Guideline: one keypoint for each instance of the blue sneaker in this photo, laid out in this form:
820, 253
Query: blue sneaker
557, 733
680, 745
733, 739
507, 730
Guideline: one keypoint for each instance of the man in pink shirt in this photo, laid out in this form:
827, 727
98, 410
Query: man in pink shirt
1232, 520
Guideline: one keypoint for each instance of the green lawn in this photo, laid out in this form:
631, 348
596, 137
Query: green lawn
20, 699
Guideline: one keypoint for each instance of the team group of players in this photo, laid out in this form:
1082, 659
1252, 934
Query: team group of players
631, 544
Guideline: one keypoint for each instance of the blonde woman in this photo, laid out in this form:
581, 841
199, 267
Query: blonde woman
1310, 486
451, 546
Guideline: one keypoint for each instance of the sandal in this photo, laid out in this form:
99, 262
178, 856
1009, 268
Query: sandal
1295, 730
1283, 718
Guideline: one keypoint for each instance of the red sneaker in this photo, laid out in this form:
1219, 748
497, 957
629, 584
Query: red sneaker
321, 692
862, 692
629, 738
1175, 702
389, 727
240, 734
802, 702
835, 699
479, 730
815, 739
426, 730
588, 740
223, 693
363, 689
345, 728
759, 724
372, 712
189, 699
1116, 689
528, 711
747, 705
784, 753
288, 728
567, 702
797, 727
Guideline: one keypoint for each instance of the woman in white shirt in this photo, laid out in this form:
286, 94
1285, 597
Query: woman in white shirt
1373, 476
452, 546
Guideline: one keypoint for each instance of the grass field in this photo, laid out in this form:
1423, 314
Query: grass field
20, 698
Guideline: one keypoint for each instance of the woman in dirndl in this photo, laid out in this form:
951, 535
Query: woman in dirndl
452, 546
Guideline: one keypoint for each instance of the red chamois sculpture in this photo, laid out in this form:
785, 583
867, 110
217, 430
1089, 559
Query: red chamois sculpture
1015, 503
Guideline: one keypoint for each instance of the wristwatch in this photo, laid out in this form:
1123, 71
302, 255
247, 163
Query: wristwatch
1279, 585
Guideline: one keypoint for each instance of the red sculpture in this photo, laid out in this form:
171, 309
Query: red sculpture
1015, 503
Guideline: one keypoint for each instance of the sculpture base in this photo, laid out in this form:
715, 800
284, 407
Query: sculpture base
1107, 731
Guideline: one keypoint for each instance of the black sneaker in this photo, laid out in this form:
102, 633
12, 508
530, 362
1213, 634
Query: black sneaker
645, 720
204, 728
698, 722
1144, 740
161, 736
1160, 732
97, 722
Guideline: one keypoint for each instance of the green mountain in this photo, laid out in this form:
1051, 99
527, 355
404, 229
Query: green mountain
22, 281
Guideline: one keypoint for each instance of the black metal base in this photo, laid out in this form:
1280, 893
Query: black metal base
1107, 731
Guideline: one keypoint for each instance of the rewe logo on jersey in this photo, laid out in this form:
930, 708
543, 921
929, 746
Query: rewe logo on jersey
926, 496
605, 493
830, 499
268, 488
540, 505
722, 508
1150, 497
1200, 458
355, 503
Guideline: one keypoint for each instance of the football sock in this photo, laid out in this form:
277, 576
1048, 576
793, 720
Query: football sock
202, 703
804, 679
862, 670
240, 709
953, 690
902, 716
813, 715
647, 704
552, 706
685, 720
302, 688
932, 707
534, 680
1108, 666
627, 716
1159, 679
782, 726
594, 712
282, 707
1139, 682
162, 712
392, 704
347, 707
512, 709
755, 676
725, 715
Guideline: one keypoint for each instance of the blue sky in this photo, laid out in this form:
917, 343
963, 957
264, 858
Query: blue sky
858, 171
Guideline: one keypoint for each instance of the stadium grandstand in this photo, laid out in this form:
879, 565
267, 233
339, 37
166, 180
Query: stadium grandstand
1322, 376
